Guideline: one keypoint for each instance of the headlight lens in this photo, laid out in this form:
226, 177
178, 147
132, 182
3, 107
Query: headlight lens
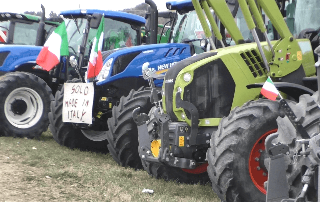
187, 77
105, 70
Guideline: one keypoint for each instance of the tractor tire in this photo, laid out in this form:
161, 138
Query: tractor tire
123, 132
236, 155
168, 173
65, 134
24, 105
309, 112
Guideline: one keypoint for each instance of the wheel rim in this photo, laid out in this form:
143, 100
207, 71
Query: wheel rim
257, 171
23, 107
199, 169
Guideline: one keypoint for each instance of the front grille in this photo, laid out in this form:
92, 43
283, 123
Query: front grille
254, 62
122, 62
211, 90
171, 75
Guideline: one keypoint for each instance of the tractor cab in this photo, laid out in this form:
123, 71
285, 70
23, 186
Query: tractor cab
302, 21
121, 30
22, 28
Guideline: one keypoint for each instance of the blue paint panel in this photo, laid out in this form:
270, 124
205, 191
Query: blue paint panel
180, 6
18, 55
117, 15
159, 56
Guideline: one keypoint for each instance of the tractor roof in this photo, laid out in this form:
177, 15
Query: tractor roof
116, 15
33, 18
180, 6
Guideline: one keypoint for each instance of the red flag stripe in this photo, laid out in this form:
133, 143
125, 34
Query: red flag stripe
269, 94
46, 59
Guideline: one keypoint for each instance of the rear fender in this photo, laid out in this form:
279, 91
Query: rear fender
291, 89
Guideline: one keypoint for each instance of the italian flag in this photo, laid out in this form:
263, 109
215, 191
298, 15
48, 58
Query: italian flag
269, 90
95, 60
55, 46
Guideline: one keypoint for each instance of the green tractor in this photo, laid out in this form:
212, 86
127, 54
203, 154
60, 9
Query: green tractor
22, 29
185, 132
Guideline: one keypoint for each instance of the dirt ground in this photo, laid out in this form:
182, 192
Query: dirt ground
16, 181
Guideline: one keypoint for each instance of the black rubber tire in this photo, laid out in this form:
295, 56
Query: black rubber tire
231, 145
65, 134
168, 173
230, 148
310, 119
123, 132
15, 80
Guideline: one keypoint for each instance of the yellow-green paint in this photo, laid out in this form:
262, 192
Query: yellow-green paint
280, 66
221, 9
275, 16
240, 73
202, 18
209, 122
246, 14
213, 23
257, 15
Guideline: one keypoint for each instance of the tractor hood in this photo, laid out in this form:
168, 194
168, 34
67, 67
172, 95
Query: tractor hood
128, 62
12, 56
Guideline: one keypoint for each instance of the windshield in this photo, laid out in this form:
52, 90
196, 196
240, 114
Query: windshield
306, 15
25, 33
116, 35
188, 27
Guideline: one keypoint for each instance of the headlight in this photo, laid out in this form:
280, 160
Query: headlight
187, 77
105, 70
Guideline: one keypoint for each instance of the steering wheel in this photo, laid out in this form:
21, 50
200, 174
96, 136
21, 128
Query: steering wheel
74, 51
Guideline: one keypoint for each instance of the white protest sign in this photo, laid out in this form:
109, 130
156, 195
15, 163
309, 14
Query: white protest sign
77, 103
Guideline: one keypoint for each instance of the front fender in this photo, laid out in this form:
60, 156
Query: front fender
18, 55
291, 89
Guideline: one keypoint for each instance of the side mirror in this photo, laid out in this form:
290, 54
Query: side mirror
73, 61
204, 44
95, 20
147, 25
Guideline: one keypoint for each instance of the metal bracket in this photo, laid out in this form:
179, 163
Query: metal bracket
293, 119
194, 117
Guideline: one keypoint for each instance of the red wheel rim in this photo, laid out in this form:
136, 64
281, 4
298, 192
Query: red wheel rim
199, 169
257, 174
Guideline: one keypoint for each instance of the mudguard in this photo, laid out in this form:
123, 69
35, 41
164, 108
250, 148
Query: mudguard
291, 89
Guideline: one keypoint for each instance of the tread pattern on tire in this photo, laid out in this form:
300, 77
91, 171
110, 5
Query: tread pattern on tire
229, 140
123, 133
9, 82
225, 146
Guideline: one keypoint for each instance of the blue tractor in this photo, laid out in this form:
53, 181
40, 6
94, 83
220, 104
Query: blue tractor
26, 90
121, 76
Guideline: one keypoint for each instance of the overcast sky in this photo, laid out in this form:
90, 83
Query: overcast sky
19, 6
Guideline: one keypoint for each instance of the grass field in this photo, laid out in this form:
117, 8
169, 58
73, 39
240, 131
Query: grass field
41, 170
